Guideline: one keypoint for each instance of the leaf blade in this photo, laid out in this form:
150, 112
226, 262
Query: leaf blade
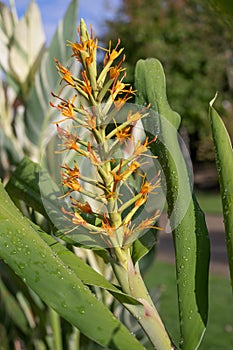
39, 115
224, 160
32, 259
24, 49
23, 185
190, 234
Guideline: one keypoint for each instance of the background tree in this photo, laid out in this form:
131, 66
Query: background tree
194, 44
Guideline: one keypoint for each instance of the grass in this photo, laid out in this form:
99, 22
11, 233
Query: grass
210, 203
161, 280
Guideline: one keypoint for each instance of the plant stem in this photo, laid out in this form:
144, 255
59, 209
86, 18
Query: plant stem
130, 279
56, 327
75, 341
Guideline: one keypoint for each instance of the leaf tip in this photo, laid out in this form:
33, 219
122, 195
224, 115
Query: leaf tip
213, 99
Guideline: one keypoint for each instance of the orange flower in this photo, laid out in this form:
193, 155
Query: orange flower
117, 177
78, 49
131, 168
74, 173
124, 134
148, 223
66, 107
114, 72
67, 76
118, 89
91, 120
122, 176
142, 148
112, 55
86, 87
83, 207
69, 140
84, 51
70, 178
102, 143
108, 229
146, 188
142, 200
73, 184
92, 155
76, 218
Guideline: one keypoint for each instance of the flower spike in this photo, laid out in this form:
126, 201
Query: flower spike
101, 140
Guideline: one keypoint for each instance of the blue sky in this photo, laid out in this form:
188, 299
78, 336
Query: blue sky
93, 11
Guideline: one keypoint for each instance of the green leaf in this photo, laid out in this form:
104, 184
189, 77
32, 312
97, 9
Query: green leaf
225, 5
24, 185
143, 245
9, 148
87, 275
187, 221
39, 114
45, 273
34, 185
4, 336
224, 160
12, 308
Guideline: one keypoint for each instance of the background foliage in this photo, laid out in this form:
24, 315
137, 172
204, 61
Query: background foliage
193, 41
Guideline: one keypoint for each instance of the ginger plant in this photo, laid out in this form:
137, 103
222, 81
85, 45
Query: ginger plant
105, 200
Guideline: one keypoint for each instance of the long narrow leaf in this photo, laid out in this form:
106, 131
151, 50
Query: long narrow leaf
24, 185
45, 273
224, 159
87, 275
7, 24
38, 112
186, 219
27, 43
12, 308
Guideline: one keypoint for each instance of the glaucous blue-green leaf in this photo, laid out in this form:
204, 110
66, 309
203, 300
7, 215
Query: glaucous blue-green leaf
27, 44
186, 218
7, 23
39, 114
12, 154
10, 146
224, 160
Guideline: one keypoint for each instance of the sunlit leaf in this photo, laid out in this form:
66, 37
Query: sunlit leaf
186, 218
27, 43
224, 159
7, 24
24, 185
39, 113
